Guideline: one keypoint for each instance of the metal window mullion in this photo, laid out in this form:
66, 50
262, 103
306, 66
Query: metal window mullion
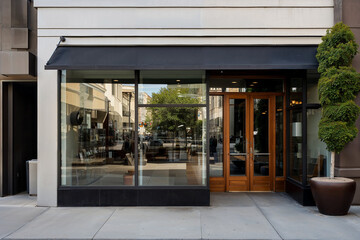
287, 102
137, 74
207, 130
304, 132
59, 156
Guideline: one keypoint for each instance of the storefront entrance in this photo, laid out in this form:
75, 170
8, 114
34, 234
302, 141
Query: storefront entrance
249, 137
246, 139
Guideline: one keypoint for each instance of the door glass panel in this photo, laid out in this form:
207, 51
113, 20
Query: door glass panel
261, 137
216, 136
237, 136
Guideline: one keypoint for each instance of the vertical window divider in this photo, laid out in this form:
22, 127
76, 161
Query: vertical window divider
287, 139
137, 75
207, 130
59, 74
304, 132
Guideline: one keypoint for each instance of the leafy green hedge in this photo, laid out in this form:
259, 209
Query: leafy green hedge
338, 87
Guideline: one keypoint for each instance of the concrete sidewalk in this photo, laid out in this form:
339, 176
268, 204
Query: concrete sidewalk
231, 216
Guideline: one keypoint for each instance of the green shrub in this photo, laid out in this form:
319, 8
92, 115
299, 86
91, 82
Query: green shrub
343, 112
338, 86
338, 48
336, 134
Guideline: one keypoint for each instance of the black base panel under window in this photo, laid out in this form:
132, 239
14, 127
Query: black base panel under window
300, 193
133, 197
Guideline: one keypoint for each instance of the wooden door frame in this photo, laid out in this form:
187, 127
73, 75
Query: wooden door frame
217, 181
235, 183
266, 183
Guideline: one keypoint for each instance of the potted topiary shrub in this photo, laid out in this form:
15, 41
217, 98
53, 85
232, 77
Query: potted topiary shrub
338, 86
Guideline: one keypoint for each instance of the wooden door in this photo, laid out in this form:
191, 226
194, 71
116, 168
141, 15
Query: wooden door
261, 142
248, 143
249, 146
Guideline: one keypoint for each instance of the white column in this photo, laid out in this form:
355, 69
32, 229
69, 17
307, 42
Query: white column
47, 125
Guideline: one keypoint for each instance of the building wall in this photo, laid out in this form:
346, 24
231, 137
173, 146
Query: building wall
159, 22
18, 39
18, 50
348, 162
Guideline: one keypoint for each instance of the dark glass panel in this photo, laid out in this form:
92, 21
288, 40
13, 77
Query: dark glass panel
237, 134
295, 145
235, 84
261, 137
279, 131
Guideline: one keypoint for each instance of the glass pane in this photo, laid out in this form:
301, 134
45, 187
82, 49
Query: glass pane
312, 88
296, 91
236, 84
295, 144
172, 146
237, 135
97, 128
279, 131
261, 137
216, 136
172, 87
317, 155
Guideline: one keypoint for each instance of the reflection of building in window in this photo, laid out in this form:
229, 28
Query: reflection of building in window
144, 98
95, 152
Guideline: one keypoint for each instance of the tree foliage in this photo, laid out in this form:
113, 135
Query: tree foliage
170, 118
337, 49
338, 87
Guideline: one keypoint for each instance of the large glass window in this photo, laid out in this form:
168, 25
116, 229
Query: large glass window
97, 128
317, 155
172, 146
172, 128
305, 147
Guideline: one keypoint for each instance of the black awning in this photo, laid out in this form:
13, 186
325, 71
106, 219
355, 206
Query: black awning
173, 58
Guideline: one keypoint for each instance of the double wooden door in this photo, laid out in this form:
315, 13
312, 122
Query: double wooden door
248, 142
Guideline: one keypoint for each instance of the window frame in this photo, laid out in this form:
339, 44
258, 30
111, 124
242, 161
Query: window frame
137, 105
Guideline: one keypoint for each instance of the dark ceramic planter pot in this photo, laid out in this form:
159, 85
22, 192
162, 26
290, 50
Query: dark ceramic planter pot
333, 196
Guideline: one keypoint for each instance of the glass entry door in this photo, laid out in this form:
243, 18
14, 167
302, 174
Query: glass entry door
249, 146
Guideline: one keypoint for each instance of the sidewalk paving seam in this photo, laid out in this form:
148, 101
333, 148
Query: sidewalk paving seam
105, 222
249, 195
5, 237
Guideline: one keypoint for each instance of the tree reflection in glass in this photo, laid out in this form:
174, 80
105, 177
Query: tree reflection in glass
172, 144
